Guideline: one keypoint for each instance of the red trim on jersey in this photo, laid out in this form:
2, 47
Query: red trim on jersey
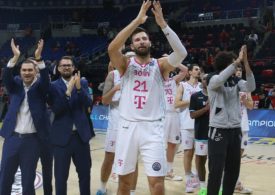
192, 85
126, 67
142, 65
113, 76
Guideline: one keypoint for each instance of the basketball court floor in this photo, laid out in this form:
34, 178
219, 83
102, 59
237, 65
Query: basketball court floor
257, 171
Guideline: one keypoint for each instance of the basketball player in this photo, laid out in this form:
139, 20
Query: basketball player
142, 103
184, 92
172, 121
111, 96
246, 103
224, 143
199, 110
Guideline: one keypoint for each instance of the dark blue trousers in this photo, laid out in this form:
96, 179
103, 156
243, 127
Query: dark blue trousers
23, 153
79, 152
46, 158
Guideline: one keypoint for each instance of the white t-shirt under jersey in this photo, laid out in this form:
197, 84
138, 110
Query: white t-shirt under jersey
185, 120
142, 92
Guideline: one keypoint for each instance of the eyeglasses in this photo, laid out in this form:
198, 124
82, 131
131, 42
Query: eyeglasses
65, 65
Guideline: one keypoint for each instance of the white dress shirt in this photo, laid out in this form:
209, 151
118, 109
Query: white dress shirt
24, 122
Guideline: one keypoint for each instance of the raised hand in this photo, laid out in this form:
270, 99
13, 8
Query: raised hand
77, 80
70, 86
245, 60
38, 51
142, 17
157, 10
15, 49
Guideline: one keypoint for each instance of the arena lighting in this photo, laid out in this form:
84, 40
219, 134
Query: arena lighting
201, 15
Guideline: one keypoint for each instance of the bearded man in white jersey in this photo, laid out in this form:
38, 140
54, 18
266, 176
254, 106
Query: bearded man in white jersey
142, 102
182, 101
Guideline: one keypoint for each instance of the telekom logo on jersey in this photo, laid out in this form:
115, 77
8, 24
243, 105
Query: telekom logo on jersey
140, 86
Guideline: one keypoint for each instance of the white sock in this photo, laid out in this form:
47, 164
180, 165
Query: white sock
103, 186
188, 176
132, 192
202, 184
169, 167
195, 173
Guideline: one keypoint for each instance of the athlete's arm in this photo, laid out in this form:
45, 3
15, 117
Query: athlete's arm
109, 89
195, 113
114, 49
179, 103
167, 64
248, 102
182, 74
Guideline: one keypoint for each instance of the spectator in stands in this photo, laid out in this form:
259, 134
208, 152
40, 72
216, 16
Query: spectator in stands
224, 38
265, 101
253, 36
272, 92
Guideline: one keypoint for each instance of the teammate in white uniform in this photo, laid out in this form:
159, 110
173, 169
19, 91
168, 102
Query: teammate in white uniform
172, 121
142, 103
111, 96
184, 92
246, 103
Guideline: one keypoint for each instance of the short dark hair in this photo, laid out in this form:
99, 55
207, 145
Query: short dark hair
138, 30
191, 66
66, 58
223, 59
28, 61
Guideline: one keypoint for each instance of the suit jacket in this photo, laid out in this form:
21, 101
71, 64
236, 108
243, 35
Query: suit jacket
36, 100
68, 111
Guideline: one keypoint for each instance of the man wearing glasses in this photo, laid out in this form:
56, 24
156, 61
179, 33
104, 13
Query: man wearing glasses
70, 131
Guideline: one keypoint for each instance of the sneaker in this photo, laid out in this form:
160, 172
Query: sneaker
195, 181
171, 176
203, 191
100, 192
241, 189
189, 186
114, 178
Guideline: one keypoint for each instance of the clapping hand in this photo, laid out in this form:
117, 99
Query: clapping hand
38, 51
15, 51
157, 10
142, 17
77, 80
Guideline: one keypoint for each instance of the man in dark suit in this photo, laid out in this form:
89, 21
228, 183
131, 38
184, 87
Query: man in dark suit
26, 121
70, 131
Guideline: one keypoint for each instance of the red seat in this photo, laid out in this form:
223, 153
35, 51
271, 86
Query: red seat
259, 63
267, 73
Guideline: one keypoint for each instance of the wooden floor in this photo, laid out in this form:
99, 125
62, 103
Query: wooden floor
257, 171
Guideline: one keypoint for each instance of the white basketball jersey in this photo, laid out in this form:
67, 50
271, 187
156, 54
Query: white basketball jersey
142, 92
244, 122
113, 107
185, 120
170, 90
117, 80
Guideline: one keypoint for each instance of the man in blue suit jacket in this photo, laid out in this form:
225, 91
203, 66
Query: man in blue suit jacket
25, 122
70, 131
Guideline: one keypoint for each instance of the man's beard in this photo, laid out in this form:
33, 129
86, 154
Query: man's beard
142, 53
66, 76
